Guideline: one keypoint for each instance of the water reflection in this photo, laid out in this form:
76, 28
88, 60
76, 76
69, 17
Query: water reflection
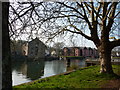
35, 69
54, 67
23, 72
32, 70
77, 62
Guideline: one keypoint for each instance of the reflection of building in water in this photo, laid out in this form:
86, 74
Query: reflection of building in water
32, 70
37, 71
23, 68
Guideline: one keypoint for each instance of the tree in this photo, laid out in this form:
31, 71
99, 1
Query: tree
6, 61
58, 47
96, 21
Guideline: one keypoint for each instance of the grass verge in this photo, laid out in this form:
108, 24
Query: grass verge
88, 77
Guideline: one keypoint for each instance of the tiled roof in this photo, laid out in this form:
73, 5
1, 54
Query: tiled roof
79, 47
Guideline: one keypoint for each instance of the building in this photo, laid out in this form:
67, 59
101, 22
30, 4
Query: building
80, 51
19, 48
24, 49
36, 49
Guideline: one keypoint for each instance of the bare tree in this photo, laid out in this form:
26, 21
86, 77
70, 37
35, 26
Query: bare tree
58, 47
96, 21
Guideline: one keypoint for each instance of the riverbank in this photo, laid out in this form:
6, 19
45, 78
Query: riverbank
88, 77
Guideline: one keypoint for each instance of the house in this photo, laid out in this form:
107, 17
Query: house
68, 51
32, 49
80, 51
24, 49
19, 49
36, 49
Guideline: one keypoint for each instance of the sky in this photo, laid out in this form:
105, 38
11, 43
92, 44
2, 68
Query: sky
77, 40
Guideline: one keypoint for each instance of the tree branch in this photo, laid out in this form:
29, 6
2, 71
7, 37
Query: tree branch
71, 8
93, 27
111, 16
79, 32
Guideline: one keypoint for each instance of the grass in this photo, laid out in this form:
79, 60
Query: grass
88, 77
116, 57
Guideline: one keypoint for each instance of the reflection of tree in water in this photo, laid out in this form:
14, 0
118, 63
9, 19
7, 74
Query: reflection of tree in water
59, 67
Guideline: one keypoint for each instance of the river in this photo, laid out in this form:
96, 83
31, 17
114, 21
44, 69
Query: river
23, 72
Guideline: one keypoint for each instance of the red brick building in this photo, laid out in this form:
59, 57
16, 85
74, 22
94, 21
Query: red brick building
80, 51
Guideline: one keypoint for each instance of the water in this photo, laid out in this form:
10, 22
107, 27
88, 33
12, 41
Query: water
23, 72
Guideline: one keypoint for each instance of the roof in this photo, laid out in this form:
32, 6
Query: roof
79, 47
37, 39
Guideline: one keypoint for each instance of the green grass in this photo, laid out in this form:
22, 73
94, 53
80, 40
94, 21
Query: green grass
88, 77
116, 57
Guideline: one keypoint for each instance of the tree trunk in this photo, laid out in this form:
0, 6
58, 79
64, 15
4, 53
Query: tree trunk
105, 60
6, 60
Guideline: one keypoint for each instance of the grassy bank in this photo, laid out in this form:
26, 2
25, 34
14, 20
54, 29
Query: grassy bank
88, 77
